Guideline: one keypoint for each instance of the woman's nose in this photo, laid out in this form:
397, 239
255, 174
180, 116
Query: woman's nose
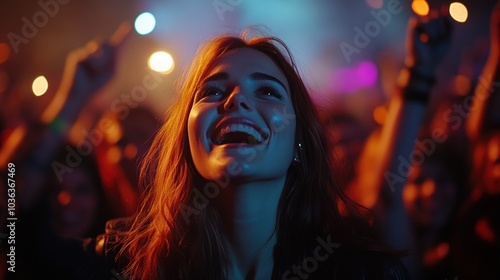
237, 100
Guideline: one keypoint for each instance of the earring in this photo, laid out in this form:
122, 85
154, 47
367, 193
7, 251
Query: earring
296, 158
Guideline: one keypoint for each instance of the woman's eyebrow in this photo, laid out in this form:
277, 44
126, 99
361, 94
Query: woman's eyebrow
262, 76
216, 77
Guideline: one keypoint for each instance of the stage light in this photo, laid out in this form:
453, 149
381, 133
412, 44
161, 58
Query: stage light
145, 23
351, 79
40, 86
161, 62
420, 7
367, 73
458, 12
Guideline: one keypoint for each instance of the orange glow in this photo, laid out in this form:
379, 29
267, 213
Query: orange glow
379, 114
420, 7
484, 231
64, 198
114, 155
428, 188
4, 52
376, 4
113, 133
424, 38
11, 143
409, 193
433, 256
443, 249
494, 149
462, 85
130, 151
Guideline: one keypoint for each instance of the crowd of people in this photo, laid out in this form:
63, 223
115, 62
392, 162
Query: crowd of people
240, 178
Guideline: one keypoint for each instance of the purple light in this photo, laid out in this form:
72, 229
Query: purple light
352, 79
367, 74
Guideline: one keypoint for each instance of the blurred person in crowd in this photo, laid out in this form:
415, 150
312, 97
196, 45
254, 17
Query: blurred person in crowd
478, 234
60, 192
347, 135
78, 204
282, 206
181, 259
121, 151
384, 165
291, 188
434, 192
244, 97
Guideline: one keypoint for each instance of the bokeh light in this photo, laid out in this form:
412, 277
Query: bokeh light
114, 155
367, 73
458, 12
420, 7
40, 86
114, 132
145, 23
161, 62
379, 114
130, 151
64, 198
4, 52
351, 79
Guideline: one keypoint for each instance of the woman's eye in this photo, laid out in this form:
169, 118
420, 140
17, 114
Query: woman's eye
270, 91
211, 91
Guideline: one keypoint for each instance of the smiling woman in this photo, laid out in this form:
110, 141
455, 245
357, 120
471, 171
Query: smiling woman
239, 182
237, 111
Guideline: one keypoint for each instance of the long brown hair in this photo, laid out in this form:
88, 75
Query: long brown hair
162, 243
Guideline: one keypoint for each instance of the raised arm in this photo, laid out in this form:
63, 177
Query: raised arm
379, 183
87, 70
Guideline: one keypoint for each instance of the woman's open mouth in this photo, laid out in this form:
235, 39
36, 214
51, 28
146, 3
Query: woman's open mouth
238, 131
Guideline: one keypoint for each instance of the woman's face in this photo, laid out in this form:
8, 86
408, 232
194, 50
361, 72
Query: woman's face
242, 123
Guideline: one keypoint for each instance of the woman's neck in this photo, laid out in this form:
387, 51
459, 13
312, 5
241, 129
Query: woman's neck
248, 215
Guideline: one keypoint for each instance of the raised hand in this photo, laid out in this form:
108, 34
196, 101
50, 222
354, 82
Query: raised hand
87, 70
428, 40
92, 66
